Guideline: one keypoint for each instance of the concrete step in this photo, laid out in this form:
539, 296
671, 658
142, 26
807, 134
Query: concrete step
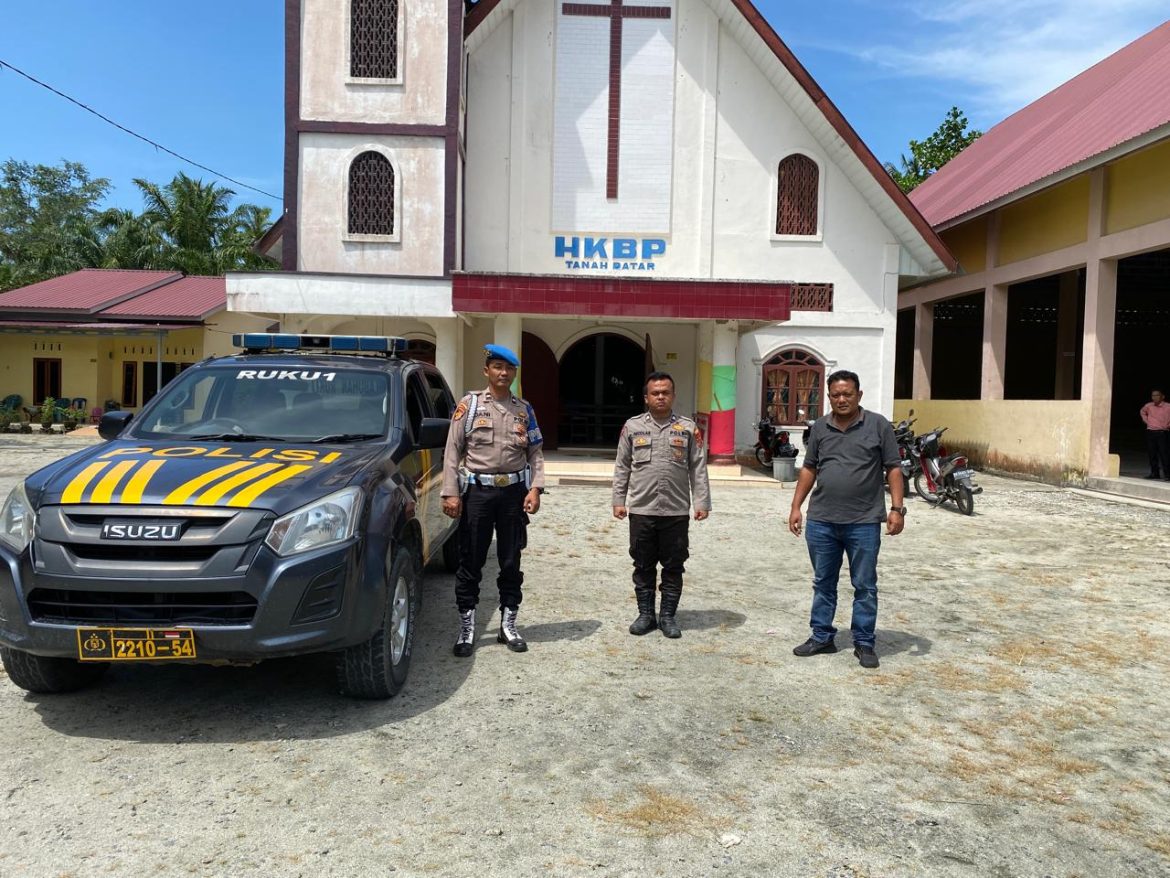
1137, 488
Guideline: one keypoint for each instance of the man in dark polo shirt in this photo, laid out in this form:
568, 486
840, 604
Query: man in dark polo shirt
846, 455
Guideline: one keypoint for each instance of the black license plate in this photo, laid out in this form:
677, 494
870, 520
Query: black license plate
134, 644
153, 531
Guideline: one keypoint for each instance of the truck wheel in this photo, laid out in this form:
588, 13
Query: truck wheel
38, 673
378, 667
451, 552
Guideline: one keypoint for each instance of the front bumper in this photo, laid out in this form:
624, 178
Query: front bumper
314, 602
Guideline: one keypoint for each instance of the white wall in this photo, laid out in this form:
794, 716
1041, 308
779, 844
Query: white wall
322, 220
328, 92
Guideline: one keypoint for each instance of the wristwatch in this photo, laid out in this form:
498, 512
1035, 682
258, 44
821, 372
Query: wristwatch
901, 510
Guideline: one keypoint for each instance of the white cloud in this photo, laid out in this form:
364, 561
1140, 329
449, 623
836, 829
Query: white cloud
1003, 55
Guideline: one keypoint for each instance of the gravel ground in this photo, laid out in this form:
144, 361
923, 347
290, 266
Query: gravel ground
1016, 726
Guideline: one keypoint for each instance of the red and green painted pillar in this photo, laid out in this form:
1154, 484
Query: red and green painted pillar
717, 349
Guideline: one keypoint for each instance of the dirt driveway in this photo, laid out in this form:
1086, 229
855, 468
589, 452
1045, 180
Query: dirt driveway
1016, 727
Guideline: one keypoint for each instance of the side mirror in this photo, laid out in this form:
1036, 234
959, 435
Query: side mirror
911, 414
113, 423
433, 432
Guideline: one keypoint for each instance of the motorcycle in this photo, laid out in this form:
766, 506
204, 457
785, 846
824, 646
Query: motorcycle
907, 452
770, 443
942, 477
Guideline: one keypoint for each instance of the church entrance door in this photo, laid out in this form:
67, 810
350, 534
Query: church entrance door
601, 378
538, 380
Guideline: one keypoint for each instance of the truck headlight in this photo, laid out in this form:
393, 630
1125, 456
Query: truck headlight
17, 519
322, 523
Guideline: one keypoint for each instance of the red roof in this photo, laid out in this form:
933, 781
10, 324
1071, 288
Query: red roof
191, 297
87, 290
1115, 101
115, 294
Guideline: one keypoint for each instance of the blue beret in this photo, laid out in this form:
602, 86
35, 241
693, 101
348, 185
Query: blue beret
499, 352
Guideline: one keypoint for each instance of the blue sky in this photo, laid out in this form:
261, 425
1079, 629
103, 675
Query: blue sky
206, 79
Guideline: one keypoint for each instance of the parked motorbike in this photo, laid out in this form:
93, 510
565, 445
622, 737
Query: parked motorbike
942, 477
771, 443
907, 450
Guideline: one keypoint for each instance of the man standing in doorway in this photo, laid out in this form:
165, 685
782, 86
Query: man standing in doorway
846, 454
1156, 414
660, 468
493, 476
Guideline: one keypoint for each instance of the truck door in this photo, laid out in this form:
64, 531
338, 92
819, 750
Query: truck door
429, 482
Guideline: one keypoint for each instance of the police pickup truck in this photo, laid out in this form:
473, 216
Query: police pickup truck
278, 502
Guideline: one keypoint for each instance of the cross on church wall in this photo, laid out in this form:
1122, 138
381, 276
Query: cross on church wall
615, 12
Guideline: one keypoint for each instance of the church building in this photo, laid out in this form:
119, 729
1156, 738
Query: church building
605, 187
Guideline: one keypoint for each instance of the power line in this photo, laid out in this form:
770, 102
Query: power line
88, 109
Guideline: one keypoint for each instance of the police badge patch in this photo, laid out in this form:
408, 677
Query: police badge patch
460, 411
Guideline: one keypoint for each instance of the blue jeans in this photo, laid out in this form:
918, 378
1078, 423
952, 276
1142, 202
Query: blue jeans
827, 543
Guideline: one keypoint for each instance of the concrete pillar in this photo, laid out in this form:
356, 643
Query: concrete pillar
923, 349
725, 340
1066, 337
995, 309
1097, 365
449, 351
509, 331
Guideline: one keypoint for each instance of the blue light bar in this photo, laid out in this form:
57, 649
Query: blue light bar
267, 341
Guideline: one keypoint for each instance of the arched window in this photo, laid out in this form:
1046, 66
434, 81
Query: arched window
373, 39
371, 195
797, 193
792, 387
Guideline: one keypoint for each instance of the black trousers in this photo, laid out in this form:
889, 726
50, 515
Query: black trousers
659, 539
487, 511
1158, 445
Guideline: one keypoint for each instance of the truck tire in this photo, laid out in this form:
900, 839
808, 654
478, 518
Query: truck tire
38, 673
378, 667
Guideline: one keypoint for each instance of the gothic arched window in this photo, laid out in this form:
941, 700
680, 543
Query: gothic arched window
373, 39
371, 195
797, 194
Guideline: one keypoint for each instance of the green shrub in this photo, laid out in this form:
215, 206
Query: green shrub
48, 411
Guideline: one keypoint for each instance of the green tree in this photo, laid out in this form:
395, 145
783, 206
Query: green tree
46, 220
927, 156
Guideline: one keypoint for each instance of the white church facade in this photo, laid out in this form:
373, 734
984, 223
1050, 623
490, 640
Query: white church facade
605, 188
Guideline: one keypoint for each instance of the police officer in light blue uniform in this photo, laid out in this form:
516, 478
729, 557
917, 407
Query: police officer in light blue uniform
493, 476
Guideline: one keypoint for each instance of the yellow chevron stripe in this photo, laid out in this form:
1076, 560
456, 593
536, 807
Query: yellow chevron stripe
132, 493
74, 490
104, 492
213, 495
183, 493
254, 490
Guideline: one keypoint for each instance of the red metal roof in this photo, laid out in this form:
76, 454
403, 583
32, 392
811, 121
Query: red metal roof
1113, 102
188, 297
90, 290
116, 294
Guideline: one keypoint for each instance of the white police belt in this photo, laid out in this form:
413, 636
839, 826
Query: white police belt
495, 480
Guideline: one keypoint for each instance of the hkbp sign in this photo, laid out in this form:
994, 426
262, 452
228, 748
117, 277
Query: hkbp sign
609, 254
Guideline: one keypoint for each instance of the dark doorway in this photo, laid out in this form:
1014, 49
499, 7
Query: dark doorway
1042, 352
956, 362
601, 378
1140, 362
46, 379
539, 380
904, 355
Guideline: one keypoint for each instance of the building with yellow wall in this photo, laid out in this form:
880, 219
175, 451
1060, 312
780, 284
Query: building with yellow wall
105, 336
1040, 352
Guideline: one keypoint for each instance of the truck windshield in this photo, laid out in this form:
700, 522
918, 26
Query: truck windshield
288, 402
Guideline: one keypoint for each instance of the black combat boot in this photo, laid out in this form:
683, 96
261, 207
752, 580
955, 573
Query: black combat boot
646, 621
666, 615
508, 633
466, 641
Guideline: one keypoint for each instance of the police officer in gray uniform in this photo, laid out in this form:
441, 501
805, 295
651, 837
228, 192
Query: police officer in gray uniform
660, 468
493, 476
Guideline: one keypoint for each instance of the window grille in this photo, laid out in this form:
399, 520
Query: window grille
373, 39
798, 184
371, 195
792, 387
812, 297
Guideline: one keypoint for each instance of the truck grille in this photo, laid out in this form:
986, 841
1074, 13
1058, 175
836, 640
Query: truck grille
66, 606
